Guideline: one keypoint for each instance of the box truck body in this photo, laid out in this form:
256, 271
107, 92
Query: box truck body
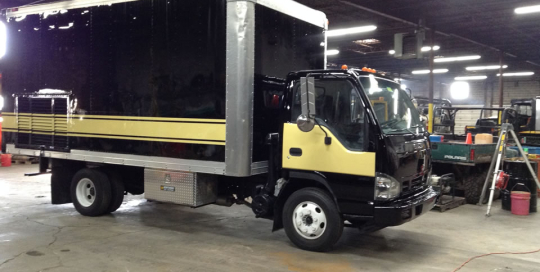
197, 102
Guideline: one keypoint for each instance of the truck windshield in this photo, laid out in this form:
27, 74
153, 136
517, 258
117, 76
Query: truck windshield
393, 107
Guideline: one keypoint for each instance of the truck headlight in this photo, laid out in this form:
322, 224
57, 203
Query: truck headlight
386, 187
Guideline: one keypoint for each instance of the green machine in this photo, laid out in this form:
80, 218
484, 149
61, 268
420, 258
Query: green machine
469, 162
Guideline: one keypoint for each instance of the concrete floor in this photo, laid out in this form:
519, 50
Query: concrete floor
143, 236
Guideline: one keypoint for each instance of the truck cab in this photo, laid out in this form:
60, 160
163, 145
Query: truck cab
363, 142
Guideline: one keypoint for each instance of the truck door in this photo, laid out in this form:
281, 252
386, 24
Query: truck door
337, 140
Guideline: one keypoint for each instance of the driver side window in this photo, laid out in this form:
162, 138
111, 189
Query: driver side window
339, 107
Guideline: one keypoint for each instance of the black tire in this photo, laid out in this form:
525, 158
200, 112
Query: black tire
473, 185
101, 198
334, 222
117, 192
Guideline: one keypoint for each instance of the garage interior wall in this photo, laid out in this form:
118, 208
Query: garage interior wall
513, 89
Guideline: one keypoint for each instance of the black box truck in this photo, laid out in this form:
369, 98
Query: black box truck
210, 102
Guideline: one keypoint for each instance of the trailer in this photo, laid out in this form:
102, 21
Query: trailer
211, 102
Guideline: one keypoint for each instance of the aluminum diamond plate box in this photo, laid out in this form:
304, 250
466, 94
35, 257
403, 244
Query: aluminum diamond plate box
185, 188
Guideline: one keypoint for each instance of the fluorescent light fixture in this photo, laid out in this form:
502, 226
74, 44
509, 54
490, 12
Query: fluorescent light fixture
462, 58
20, 18
66, 27
460, 90
3, 39
349, 31
435, 71
52, 27
518, 74
332, 52
428, 48
392, 52
529, 9
488, 67
470, 78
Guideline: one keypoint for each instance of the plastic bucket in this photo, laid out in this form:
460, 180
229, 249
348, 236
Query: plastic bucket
5, 160
520, 201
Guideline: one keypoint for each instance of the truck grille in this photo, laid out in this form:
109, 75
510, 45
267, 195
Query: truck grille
411, 186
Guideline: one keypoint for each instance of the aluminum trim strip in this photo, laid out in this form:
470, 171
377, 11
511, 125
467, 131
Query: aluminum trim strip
296, 10
537, 114
240, 89
56, 6
217, 168
259, 168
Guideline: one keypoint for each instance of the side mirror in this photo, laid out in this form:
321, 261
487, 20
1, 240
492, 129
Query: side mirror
306, 120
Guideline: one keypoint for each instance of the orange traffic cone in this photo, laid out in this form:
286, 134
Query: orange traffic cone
469, 138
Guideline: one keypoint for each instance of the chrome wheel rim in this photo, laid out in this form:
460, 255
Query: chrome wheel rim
86, 192
309, 220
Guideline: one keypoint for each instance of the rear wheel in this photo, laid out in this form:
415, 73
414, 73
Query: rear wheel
91, 192
117, 192
311, 220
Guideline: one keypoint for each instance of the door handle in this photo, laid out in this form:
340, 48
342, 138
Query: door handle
296, 152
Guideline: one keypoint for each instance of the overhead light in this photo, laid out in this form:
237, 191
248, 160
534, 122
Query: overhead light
435, 71
462, 58
66, 27
460, 90
3, 39
392, 52
529, 9
428, 48
332, 52
489, 67
20, 18
367, 42
518, 74
470, 78
349, 31
323, 44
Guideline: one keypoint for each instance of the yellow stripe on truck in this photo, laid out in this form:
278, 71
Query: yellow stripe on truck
177, 130
192, 131
317, 156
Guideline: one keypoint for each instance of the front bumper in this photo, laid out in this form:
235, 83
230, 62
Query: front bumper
403, 210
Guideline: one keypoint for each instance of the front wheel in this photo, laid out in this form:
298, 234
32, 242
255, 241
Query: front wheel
311, 220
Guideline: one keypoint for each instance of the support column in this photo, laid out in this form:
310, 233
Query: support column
501, 83
431, 82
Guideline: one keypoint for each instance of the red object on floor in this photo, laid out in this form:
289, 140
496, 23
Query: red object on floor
469, 138
520, 202
5, 159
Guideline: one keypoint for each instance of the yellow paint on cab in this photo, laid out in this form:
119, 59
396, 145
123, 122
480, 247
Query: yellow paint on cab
317, 156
